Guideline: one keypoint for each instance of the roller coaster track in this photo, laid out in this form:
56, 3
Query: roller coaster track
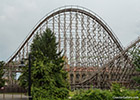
87, 41
124, 54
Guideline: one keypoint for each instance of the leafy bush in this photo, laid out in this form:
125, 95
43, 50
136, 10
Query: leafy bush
113, 94
96, 94
117, 90
51, 94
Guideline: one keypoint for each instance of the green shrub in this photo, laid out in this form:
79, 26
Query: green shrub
51, 94
98, 94
119, 91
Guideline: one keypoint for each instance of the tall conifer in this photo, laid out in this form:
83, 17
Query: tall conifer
48, 77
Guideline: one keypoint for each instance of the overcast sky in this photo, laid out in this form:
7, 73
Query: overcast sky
17, 18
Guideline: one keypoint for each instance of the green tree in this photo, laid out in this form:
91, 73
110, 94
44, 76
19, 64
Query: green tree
49, 80
2, 81
136, 62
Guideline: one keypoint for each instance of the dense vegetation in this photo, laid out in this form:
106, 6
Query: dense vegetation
116, 93
49, 80
2, 81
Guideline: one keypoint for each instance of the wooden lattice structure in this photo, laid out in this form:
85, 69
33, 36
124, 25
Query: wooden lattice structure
120, 69
87, 43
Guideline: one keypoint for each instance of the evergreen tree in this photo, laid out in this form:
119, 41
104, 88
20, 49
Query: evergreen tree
48, 76
2, 81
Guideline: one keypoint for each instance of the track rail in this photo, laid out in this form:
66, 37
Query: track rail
69, 9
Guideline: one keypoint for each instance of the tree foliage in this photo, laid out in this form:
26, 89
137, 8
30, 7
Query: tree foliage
136, 62
116, 93
2, 81
49, 80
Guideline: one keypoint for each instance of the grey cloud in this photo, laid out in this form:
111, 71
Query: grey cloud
17, 18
